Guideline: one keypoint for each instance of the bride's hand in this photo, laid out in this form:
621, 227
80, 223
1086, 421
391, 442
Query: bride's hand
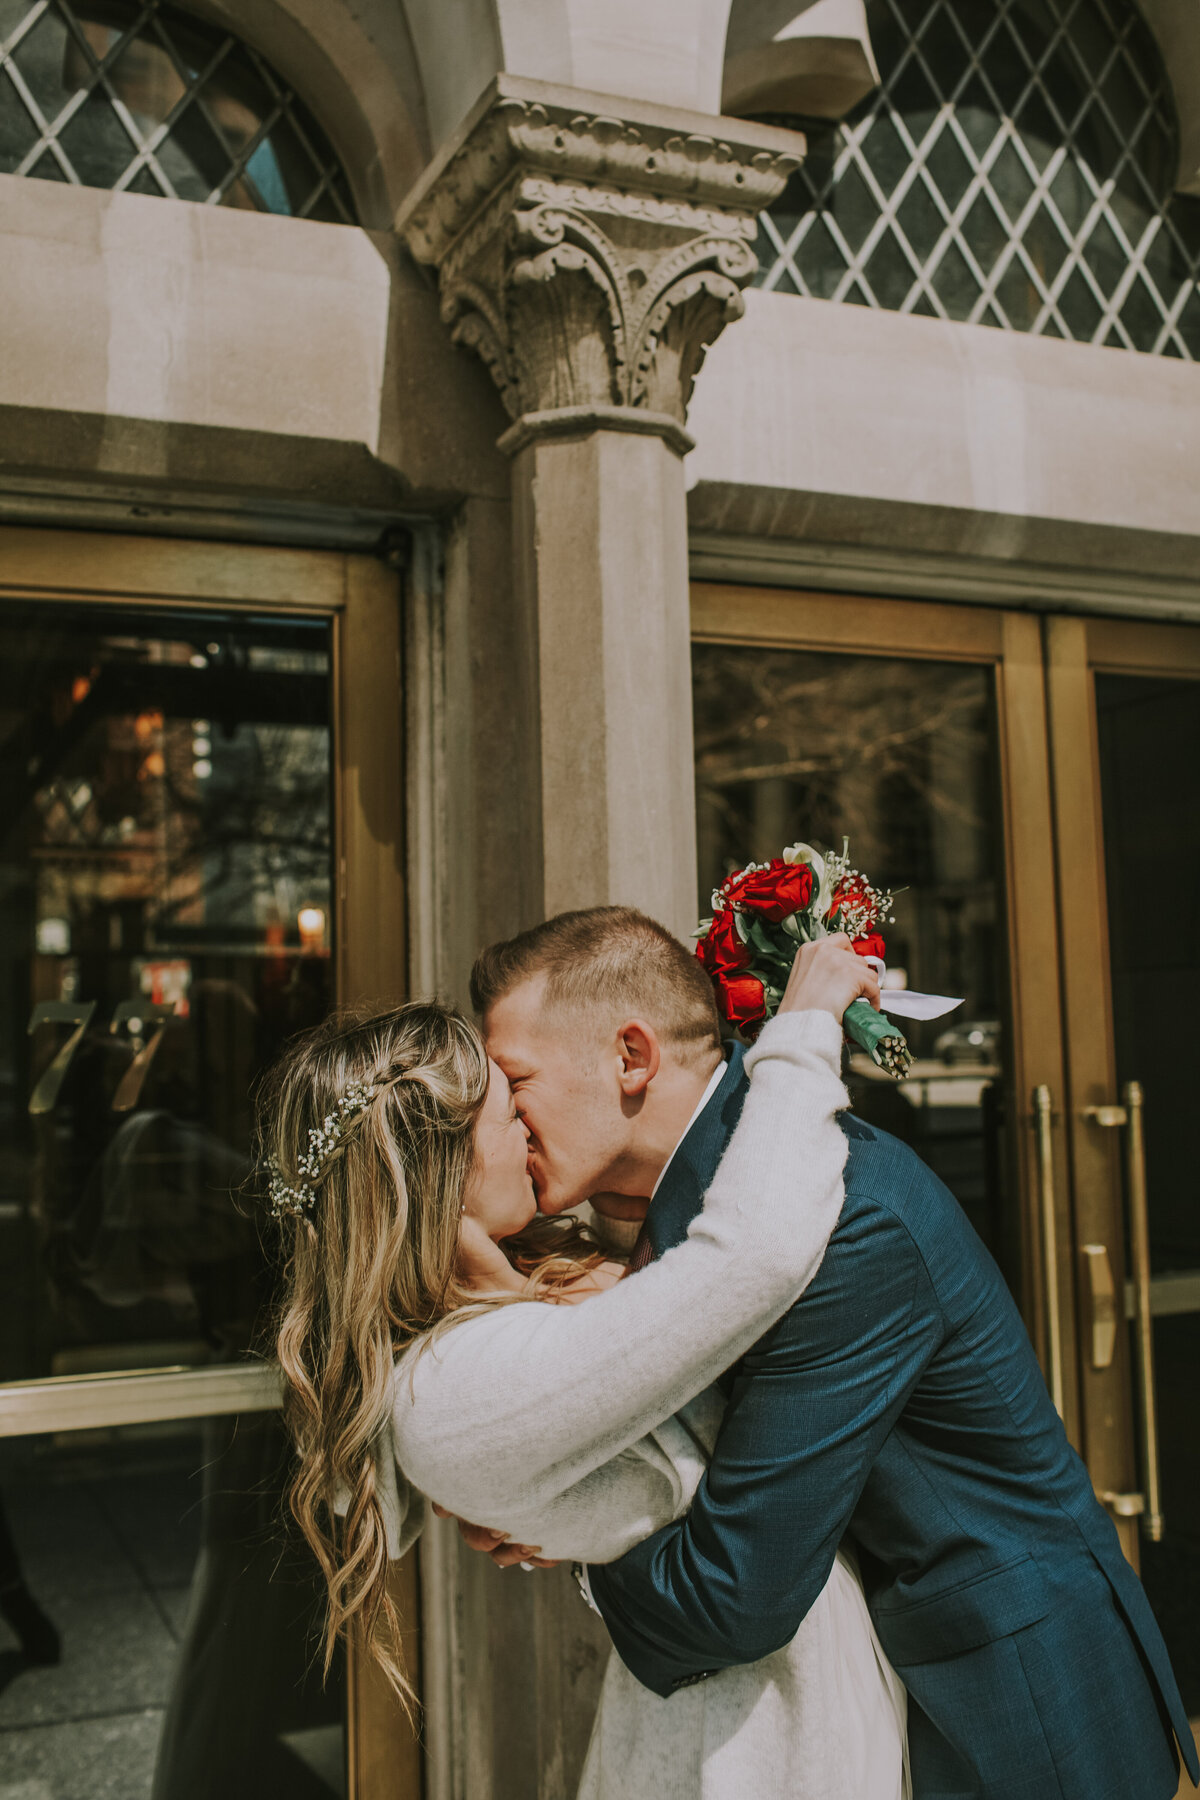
827, 976
497, 1544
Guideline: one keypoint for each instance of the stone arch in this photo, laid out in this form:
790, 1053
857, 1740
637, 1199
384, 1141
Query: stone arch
357, 71
668, 51
1176, 25
810, 58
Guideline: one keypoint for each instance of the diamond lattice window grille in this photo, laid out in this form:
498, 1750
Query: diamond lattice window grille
1013, 169
135, 96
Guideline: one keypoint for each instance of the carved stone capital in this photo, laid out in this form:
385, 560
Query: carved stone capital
589, 259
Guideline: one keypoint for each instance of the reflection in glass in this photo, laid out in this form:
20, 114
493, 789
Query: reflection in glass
134, 95
899, 757
1014, 167
165, 923
1149, 730
157, 1621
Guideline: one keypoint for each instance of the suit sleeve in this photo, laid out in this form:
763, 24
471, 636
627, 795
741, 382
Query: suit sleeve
809, 1409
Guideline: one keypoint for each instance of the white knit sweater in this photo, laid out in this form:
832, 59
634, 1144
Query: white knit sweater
585, 1428
504, 1416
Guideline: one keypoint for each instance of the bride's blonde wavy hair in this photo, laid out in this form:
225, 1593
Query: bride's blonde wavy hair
374, 1265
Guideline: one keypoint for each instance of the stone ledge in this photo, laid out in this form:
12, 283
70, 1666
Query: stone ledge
776, 537
581, 421
104, 471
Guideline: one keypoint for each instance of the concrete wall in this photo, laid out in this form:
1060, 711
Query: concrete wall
818, 399
179, 344
123, 304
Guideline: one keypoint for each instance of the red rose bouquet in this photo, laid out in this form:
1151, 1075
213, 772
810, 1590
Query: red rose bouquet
764, 912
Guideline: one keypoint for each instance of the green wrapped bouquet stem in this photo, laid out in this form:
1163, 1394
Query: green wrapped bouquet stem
884, 1042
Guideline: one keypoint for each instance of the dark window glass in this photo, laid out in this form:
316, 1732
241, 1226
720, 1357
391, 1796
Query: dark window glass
1148, 725
141, 97
1060, 113
165, 924
900, 756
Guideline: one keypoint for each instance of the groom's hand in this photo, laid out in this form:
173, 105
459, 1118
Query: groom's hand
827, 976
497, 1545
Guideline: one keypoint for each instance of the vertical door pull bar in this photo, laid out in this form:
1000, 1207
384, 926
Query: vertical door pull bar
1143, 1330
1122, 1506
1043, 1108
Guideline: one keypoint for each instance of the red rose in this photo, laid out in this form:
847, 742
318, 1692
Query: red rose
871, 945
777, 891
723, 948
741, 1000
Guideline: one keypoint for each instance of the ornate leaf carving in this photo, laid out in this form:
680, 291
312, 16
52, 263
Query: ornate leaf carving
590, 261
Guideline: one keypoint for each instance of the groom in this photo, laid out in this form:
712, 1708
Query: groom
898, 1405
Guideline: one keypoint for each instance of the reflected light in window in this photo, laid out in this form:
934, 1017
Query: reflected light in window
311, 921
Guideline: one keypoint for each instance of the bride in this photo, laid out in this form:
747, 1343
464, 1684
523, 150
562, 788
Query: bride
438, 1337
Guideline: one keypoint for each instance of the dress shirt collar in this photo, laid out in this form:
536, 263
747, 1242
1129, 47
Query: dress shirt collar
714, 1081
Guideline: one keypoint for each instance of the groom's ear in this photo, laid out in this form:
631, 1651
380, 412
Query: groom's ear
640, 1055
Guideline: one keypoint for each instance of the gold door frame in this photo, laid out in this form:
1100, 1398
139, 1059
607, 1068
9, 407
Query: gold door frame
361, 598
1076, 649
1010, 643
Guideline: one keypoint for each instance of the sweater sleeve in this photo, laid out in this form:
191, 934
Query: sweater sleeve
512, 1407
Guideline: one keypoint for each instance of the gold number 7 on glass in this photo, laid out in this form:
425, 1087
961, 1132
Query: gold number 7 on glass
134, 1013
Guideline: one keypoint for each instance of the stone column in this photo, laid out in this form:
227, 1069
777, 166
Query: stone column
590, 259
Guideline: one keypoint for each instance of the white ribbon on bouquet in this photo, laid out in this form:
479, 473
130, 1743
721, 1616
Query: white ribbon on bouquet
905, 1003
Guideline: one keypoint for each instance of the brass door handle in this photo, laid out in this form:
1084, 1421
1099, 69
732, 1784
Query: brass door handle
1129, 1117
1043, 1117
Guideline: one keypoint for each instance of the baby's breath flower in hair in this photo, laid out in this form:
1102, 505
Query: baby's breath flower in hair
323, 1140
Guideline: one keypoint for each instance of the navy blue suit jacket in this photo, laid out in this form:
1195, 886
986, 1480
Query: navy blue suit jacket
899, 1404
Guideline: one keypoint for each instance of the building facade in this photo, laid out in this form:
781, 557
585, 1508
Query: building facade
464, 461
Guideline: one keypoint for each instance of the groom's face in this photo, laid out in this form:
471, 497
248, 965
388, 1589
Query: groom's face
564, 1082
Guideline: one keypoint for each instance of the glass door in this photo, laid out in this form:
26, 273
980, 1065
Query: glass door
1125, 730
193, 834
1031, 785
918, 732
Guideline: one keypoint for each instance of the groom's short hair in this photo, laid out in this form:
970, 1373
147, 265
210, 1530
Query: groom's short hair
606, 956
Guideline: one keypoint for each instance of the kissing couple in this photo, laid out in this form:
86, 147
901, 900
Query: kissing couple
797, 1441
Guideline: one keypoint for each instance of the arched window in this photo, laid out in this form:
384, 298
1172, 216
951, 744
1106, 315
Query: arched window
1013, 169
132, 95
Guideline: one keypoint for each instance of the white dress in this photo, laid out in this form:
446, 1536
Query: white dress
585, 1428
821, 1719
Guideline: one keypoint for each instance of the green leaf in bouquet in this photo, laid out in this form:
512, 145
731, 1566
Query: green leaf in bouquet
797, 927
769, 942
757, 934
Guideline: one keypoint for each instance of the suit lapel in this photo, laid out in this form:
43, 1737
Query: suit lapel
681, 1191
